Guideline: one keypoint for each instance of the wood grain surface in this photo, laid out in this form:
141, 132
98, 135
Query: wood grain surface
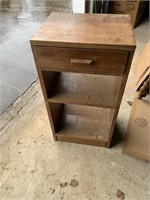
85, 89
83, 61
101, 61
107, 31
79, 123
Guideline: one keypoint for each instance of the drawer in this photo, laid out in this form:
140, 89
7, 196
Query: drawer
82, 60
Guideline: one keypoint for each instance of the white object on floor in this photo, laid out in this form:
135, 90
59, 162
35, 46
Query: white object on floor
78, 6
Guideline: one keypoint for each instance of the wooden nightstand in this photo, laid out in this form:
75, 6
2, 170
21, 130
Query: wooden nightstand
83, 61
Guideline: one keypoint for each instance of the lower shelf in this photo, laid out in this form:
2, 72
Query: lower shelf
84, 124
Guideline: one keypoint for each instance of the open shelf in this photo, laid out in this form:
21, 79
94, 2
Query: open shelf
83, 89
84, 124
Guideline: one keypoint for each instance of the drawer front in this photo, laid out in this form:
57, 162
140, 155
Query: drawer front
82, 60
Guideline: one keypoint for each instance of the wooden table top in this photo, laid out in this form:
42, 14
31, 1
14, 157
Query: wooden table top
101, 31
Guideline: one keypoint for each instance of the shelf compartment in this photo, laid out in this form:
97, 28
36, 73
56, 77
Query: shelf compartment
85, 124
84, 89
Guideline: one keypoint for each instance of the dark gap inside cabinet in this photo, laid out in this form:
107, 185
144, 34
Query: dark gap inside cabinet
76, 121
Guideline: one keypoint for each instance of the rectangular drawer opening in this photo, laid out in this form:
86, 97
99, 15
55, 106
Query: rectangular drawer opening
82, 89
81, 124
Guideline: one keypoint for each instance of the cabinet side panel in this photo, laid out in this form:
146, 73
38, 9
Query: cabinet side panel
49, 79
122, 87
43, 90
56, 109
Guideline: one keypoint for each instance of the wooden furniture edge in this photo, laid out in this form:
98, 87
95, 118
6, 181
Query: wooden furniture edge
122, 88
43, 90
83, 45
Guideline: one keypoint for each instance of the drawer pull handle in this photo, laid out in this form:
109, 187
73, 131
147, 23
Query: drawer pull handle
81, 61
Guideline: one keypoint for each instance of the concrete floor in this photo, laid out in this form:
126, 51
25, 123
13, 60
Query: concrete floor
34, 167
19, 20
